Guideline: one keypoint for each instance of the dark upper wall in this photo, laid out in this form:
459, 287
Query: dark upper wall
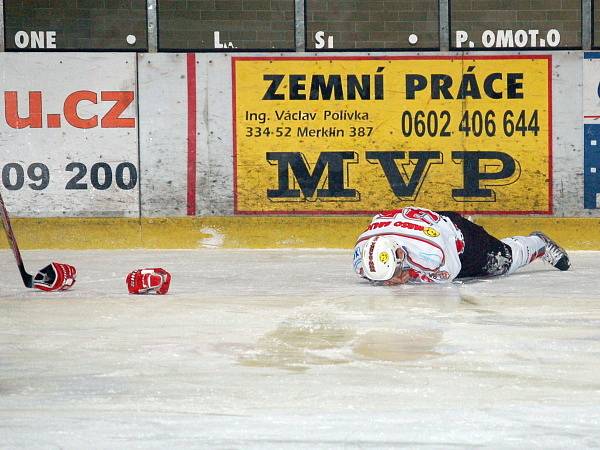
477, 16
372, 24
596, 24
243, 24
188, 25
81, 24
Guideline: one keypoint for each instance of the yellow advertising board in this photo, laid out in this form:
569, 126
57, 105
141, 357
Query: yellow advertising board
344, 135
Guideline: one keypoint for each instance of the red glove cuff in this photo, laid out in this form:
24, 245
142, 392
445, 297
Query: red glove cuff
148, 281
55, 277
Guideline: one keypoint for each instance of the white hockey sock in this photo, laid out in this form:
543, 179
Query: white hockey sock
525, 249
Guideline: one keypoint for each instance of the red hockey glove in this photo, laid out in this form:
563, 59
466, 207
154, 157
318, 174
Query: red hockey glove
55, 277
148, 281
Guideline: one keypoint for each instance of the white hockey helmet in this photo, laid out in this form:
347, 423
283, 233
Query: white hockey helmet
379, 258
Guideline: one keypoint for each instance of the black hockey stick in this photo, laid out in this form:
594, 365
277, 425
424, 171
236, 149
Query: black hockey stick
27, 279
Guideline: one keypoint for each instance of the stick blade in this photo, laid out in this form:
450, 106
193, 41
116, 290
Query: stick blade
27, 279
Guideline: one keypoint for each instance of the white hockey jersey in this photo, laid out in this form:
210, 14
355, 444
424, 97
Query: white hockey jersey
432, 242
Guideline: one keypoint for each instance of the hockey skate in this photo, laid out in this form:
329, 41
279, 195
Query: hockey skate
554, 254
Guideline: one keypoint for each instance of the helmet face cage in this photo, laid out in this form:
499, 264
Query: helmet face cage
380, 261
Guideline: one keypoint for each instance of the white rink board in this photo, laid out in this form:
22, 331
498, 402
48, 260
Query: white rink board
89, 149
161, 158
591, 87
217, 158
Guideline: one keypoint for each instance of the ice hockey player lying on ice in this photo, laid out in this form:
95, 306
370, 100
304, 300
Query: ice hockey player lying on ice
416, 245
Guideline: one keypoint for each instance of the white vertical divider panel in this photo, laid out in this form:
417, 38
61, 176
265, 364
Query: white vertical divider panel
567, 152
163, 109
216, 160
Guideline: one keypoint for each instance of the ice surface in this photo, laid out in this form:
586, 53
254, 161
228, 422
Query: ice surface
277, 349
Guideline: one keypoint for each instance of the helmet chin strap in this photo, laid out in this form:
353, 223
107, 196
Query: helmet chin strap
402, 262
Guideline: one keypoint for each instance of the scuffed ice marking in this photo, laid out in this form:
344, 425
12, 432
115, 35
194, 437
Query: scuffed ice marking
215, 240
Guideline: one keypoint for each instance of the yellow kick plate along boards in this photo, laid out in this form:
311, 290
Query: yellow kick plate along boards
355, 135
